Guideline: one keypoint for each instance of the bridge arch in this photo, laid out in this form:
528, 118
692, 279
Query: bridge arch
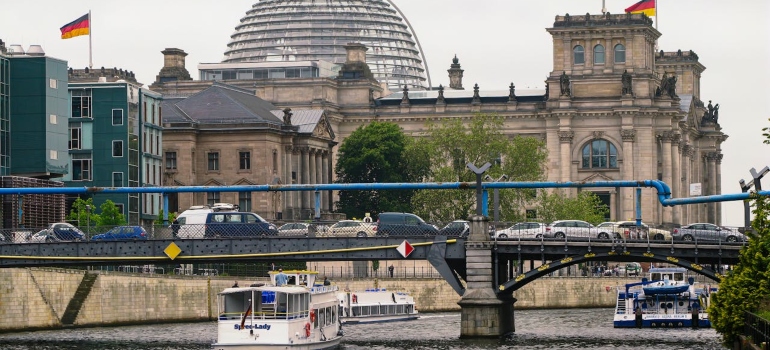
524, 279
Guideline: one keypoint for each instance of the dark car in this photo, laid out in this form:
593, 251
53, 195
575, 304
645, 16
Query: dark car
57, 232
122, 233
457, 228
404, 224
237, 224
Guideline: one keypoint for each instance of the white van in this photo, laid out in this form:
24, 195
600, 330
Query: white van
192, 222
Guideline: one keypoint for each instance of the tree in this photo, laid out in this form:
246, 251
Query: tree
587, 206
159, 220
449, 146
376, 153
747, 287
110, 215
81, 214
766, 134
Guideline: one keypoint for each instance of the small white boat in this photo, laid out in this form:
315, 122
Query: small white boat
667, 299
376, 305
300, 315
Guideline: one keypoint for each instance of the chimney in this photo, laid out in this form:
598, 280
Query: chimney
355, 66
356, 52
455, 75
15, 50
173, 67
35, 50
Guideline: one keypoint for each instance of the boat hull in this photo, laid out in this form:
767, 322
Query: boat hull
379, 319
329, 344
662, 321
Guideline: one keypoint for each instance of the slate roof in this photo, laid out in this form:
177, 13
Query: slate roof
306, 119
220, 103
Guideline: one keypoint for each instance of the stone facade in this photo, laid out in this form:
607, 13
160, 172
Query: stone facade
604, 115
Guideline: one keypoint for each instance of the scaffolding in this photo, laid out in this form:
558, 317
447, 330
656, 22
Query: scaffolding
31, 210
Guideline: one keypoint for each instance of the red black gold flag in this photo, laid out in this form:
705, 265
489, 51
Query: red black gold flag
77, 27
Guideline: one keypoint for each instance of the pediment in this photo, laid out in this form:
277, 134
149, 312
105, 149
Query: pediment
213, 182
598, 177
323, 129
244, 182
179, 183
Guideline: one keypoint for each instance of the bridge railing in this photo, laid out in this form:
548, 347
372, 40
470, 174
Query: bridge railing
757, 329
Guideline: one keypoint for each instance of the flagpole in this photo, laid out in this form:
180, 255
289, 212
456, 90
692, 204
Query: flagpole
90, 34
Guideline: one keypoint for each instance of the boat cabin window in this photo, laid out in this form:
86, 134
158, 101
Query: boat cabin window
234, 305
325, 316
671, 276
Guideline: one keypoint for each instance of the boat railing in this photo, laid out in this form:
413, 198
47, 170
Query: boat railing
319, 289
264, 315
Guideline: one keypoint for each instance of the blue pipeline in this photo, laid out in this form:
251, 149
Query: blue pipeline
663, 190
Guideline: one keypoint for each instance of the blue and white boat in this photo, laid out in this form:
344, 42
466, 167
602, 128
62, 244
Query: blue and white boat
376, 305
667, 298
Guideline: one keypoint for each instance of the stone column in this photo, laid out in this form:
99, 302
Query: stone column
311, 179
305, 180
685, 189
711, 167
676, 182
627, 203
665, 138
718, 167
318, 175
483, 313
325, 179
288, 197
565, 159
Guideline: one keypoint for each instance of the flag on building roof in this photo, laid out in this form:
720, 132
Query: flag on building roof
77, 27
646, 7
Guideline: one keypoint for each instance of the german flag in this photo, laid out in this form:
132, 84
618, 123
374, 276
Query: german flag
77, 27
646, 7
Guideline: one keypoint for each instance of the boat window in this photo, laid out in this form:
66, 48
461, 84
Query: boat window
679, 276
655, 276
322, 316
315, 322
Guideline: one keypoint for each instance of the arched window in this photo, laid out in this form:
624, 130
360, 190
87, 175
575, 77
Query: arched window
600, 154
620, 53
579, 54
598, 54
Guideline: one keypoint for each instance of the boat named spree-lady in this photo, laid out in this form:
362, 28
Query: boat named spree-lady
297, 315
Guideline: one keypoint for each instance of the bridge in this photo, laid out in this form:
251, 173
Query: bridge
484, 265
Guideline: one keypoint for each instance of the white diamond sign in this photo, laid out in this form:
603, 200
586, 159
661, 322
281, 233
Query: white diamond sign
405, 249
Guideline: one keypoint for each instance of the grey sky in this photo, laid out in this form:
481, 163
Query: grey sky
497, 42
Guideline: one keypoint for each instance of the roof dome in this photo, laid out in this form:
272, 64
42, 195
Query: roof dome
310, 30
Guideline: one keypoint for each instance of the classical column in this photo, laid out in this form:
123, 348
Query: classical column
565, 143
318, 174
718, 170
711, 165
665, 138
325, 179
676, 182
288, 199
305, 178
627, 203
685, 189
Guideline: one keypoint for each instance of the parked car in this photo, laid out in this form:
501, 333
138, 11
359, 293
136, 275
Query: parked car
237, 224
122, 233
58, 232
629, 230
522, 230
403, 224
352, 228
633, 269
705, 232
457, 228
296, 229
575, 229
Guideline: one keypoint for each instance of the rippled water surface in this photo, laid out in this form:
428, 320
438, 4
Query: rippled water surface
535, 329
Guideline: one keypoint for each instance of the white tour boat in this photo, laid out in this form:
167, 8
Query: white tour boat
666, 299
299, 315
376, 305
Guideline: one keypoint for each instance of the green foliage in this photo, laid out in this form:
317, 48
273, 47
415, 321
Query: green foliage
377, 153
110, 215
159, 220
447, 148
747, 287
555, 206
766, 134
81, 215
375, 265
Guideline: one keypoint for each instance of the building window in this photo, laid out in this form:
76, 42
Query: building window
81, 167
213, 161
117, 148
244, 201
245, 160
600, 154
598, 54
52, 83
620, 53
81, 103
117, 117
76, 136
52, 118
54, 154
579, 54
171, 160
121, 208
212, 197
117, 179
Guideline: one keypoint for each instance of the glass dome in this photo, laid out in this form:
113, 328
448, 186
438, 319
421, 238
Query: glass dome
309, 30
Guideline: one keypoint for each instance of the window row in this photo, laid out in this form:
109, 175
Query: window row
244, 200
212, 161
578, 54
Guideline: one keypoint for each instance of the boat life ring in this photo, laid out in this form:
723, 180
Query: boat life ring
312, 315
355, 298
307, 329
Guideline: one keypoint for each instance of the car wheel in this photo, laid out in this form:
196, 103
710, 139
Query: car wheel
732, 239
687, 238
538, 236
361, 234
560, 235
604, 235
658, 237
502, 236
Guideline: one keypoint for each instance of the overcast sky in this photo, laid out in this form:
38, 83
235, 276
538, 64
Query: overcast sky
497, 42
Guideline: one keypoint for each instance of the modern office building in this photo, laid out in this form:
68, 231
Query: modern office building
5, 112
115, 140
615, 108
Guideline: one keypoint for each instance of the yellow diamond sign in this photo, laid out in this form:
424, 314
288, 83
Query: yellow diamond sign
172, 250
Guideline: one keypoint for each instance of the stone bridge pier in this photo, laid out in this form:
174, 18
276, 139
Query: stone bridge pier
483, 312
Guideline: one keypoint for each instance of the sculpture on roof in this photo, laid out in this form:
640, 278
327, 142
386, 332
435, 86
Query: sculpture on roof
626, 80
667, 86
440, 98
711, 115
287, 116
511, 93
405, 97
564, 84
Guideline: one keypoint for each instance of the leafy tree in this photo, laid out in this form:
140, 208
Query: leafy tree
555, 206
747, 287
110, 215
81, 214
159, 220
376, 153
766, 134
449, 146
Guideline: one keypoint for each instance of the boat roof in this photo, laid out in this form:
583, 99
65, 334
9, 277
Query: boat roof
668, 269
287, 290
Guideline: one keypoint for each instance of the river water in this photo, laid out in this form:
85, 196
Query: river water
535, 329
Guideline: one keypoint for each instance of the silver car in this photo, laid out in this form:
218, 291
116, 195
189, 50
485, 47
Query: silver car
522, 230
574, 229
352, 228
705, 232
